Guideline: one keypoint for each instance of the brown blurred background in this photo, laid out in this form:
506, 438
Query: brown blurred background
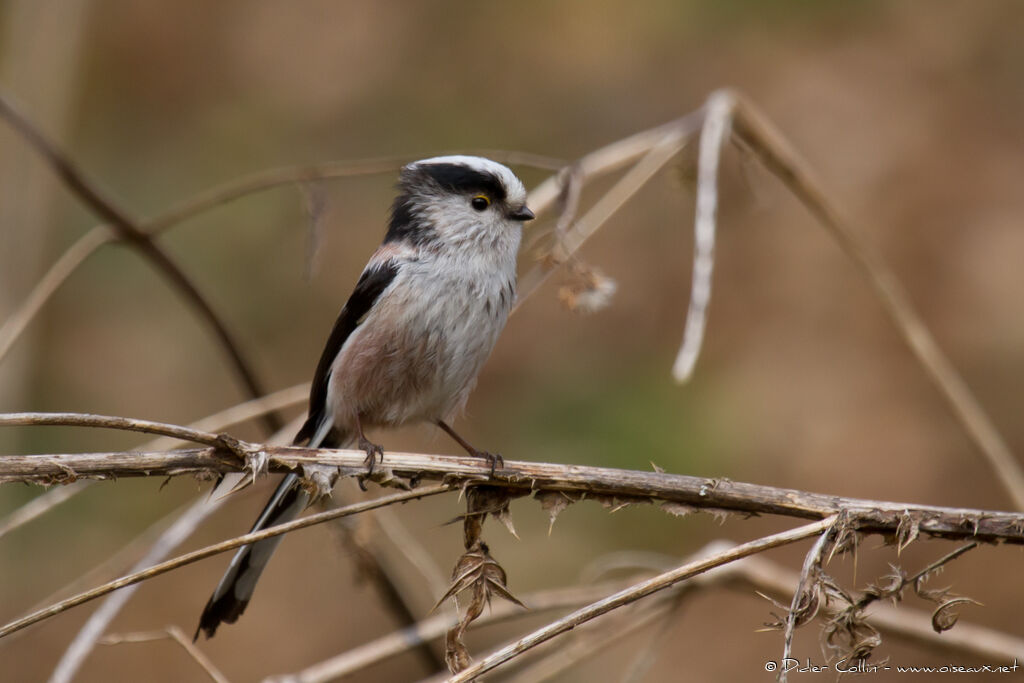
910, 111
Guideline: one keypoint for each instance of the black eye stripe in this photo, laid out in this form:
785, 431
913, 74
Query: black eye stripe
461, 179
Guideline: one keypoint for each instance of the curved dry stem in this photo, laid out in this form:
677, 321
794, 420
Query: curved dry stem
39, 506
240, 413
804, 603
183, 525
636, 592
121, 423
612, 157
655, 148
130, 231
714, 135
287, 175
215, 549
757, 133
434, 627
177, 635
589, 645
100, 619
228, 417
210, 199
59, 272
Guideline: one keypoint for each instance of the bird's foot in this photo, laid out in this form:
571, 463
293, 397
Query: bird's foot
372, 451
494, 459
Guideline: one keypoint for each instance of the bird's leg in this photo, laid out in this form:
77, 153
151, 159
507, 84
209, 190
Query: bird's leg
372, 451
492, 458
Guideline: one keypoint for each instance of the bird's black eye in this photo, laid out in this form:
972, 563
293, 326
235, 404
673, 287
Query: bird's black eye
480, 202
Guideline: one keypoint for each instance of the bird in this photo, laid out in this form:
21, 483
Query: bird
410, 340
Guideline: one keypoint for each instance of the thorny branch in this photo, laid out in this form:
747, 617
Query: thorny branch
725, 111
555, 485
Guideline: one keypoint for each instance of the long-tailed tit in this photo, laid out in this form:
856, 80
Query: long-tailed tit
408, 344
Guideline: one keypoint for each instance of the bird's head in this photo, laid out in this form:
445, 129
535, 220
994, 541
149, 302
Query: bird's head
458, 201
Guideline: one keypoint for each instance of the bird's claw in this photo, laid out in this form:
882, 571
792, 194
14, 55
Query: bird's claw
372, 451
494, 459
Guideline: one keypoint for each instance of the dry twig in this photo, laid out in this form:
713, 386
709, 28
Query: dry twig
614, 487
653, 149
435, 626
215, 549
130, 231
757, 133
635, 593
177, 635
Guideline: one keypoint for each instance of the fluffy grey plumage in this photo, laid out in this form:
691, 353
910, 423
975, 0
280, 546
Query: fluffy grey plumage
409, 343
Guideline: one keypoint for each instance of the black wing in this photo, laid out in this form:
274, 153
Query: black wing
371, 285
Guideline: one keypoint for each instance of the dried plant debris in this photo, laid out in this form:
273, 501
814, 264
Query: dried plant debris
476, 571
481, 575
553, 502
586, 289
847, 633
945, 616
614, 503
456, 655
678, 509
487, 500
908, 530
314, 201
318, 480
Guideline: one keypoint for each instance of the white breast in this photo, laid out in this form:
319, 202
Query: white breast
417, 354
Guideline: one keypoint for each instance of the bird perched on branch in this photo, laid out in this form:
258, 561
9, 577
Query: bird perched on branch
408, 344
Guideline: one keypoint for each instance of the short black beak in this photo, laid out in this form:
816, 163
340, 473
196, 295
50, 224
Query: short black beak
522, 214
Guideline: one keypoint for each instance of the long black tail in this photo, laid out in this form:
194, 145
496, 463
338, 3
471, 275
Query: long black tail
232, 594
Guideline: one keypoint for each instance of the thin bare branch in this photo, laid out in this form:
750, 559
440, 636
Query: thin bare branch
589, 645
434, 627
130, 231
764, 140
412, 550
75, 654
207, 200
215, 549
240, 413
121, 423
288, 175
613, 157
762, 575
183, 525
177, 635
379, 570
39, 506
69, 261
660, 152
228, 417
636, 592
646, 656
